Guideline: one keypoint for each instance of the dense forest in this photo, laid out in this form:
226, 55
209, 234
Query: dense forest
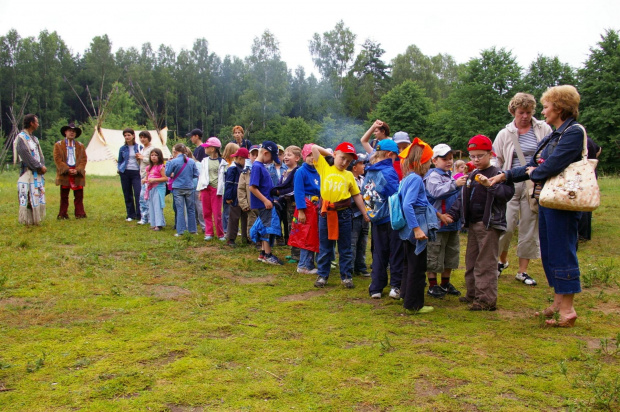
433, 97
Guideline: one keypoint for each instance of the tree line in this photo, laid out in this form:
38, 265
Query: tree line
433, 97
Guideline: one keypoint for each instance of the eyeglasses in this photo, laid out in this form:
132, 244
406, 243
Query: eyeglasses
473, 157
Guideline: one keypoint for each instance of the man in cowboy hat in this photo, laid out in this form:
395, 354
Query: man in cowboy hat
70, 160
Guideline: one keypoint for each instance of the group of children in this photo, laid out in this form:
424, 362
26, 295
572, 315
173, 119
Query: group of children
415, 211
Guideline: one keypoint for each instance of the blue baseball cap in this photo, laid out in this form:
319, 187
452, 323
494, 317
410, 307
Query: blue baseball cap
388, 145
273, 149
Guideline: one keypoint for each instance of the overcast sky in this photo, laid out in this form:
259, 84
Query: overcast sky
563, 28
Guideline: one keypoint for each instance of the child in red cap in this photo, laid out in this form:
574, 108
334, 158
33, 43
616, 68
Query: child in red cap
338, 186
482, 208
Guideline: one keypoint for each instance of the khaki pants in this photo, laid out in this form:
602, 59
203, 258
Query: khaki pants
481, 264
518, 212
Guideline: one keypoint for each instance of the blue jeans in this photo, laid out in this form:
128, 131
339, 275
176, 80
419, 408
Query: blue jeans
326, 246
130, 183
359, 240
306, 259
225, 213
558, 231
184, 202
144, 204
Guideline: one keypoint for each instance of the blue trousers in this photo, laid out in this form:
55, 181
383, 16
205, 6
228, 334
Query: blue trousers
559, 233
359, 241
326, 246
388, 250
184, 202
131, 185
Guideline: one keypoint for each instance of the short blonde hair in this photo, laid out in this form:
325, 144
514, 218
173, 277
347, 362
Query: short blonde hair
564, 98
230, 149
458, 164
295, 150
522, 101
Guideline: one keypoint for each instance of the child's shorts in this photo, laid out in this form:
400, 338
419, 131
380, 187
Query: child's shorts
443, 252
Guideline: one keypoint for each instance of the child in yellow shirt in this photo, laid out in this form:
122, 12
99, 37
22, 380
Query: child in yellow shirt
338, 186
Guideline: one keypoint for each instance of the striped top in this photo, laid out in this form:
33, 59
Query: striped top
528, 143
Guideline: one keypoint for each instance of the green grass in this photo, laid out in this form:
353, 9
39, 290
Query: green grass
101, 314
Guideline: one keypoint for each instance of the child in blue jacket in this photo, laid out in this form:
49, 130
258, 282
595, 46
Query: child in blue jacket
443, 252
380, 183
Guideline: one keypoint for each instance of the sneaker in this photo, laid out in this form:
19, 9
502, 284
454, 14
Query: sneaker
305, 271
525, 278
129, 219
376, 295
436, 292
449, 289
480, 306
348, 283
395, 293
500, 267
208, 237
231, 243
273, 260
421, 311
176, 235
261, 256
223, 238
142, 222
364, 274
320, 282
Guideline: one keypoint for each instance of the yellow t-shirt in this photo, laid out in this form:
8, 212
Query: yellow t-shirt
336, 185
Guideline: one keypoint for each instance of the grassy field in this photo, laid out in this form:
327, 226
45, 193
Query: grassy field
102, 314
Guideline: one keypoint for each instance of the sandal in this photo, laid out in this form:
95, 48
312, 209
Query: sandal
567, 322
547, 313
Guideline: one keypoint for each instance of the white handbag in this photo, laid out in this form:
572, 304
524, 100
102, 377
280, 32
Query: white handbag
575, 188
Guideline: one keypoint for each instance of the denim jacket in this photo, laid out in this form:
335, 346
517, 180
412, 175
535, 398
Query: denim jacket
123, 156
184, 179
427, 219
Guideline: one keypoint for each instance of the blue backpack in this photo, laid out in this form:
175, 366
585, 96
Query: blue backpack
397, 217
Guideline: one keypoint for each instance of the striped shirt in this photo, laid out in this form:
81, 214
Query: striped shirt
528, 143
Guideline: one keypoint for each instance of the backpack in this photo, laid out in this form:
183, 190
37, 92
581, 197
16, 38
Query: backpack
397, 217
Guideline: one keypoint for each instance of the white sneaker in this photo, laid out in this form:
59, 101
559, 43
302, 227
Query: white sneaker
376, 295
305, 271
525, 278
142, 222
129, 219
208, 237
176, 235
395, 293
223, 238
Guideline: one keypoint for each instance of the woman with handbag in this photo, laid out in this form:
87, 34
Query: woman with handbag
514, 146
557, 228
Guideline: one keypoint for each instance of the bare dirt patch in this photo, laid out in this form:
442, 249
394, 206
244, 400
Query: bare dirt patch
511, 314
15, 302
167, 358
181, 408
302, 296
608, 308
251, 281
169, 292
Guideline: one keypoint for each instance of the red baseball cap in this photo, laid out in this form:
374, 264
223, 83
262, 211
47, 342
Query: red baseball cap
346, 147
480, 142
242, 152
